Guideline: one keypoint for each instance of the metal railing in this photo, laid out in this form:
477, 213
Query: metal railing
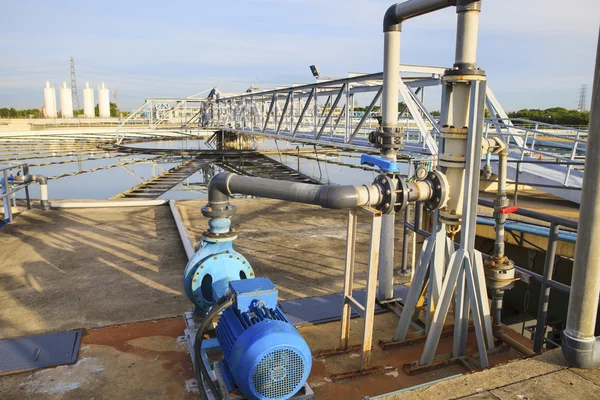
546, 280
523, 139
9, 190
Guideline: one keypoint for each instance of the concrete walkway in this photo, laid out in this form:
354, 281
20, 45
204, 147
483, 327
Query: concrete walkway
546, 376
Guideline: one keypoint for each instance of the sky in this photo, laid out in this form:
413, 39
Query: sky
537, 53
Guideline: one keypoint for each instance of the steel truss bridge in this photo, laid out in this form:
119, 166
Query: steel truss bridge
547, 157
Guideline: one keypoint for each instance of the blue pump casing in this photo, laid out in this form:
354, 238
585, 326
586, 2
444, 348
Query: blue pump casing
209, 271
263, 352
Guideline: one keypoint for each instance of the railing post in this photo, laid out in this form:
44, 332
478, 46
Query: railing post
5, 199
540, 329
517, 175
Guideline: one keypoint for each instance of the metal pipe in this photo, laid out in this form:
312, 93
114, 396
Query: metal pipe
466, 33
185, 239
392, 22
540, 329
580, 347
43, 182
107, 203
501, 201
328, 196
400, 12
499, 334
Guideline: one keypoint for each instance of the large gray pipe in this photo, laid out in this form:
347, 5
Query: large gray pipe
329, 196
392, 25
580, 347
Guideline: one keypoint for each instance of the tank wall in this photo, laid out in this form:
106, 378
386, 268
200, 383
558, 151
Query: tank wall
49, 102
66, 102
88, 103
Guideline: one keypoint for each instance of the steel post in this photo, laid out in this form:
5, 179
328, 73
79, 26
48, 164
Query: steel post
540, 329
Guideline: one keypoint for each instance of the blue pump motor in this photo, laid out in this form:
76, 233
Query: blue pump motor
264, 355
208, 273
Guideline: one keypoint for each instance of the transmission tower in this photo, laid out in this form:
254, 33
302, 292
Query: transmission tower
74, 86
582, 98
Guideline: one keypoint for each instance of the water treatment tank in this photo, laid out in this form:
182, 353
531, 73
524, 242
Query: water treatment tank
88, 101
49, 101
66, 101
103, 102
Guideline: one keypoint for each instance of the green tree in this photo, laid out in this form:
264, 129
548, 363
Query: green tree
113, 110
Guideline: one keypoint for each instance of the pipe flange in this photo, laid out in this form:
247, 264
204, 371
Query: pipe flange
388, 138
224, 211
463, 74
387, 188
208, 236
439, 187
402, 193
499, 273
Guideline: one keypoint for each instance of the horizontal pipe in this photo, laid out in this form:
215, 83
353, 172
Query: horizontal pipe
568, 223
107, 203
400, 12
328, 196
500, 335
185, 239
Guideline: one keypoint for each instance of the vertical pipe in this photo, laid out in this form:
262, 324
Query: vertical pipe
540, 329
501, 201
580, 347
404, 267
391, 80
389, 120
466, 33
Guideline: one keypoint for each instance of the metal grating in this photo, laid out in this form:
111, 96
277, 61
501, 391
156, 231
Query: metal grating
321, 309
24, 354
278, 374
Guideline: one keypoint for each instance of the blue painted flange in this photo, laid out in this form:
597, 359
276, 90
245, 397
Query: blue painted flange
208, 273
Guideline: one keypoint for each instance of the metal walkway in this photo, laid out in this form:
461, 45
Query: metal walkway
323, 113
160, 184
247, 163
256, 164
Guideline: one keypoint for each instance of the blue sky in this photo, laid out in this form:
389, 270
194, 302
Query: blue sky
537, 53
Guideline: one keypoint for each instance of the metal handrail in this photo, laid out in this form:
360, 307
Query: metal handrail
6, 192
545, 280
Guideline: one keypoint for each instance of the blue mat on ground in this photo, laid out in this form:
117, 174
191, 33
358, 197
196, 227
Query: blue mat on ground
321, 309
27, 353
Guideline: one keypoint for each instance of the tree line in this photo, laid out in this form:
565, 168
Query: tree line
554, 115
35, 113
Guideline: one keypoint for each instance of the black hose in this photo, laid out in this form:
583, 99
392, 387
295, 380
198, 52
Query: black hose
200, 368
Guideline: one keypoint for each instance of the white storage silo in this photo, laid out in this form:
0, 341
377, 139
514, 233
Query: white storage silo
103, 102
49, 101
66, 101
88, 101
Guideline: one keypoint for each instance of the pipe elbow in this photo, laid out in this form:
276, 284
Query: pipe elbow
390, 20
580, 353
218, 191
338, 197
42, 180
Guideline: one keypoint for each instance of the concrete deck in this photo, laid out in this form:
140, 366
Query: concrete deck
117, 273
546, 376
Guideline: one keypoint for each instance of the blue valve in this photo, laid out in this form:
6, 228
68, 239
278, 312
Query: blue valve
376, 161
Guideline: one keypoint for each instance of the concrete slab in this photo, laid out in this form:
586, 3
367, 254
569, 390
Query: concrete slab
557, 385
83, 268
487, 380
301, 248
592, 375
